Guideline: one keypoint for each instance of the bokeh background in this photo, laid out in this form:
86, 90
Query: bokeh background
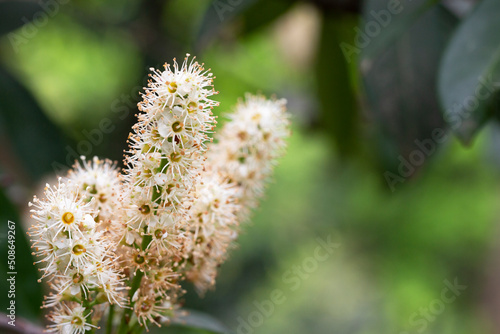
360, 97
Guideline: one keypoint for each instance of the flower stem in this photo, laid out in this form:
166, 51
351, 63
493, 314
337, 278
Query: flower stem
136, 283
87, 304
136, 328
109, 323
125, 325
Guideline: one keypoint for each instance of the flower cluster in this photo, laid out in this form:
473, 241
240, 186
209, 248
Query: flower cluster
98, 180
164, 162
76, 257
166, 151
249, 145
212, 228
105, 238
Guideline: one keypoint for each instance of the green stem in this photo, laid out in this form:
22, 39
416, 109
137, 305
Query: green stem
87, 314
127, 314
136, 283
109, 323
91, 331
125, 325
136, 328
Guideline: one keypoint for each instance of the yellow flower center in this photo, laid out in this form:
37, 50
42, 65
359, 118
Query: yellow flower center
79, 249
78, 321
159, 233
172, 87
175, 157
145, 306
77, 278
192, 107
177, 126
139, 259
145, 209
169, 188
68, 218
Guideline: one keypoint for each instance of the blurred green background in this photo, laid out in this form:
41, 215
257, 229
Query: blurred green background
366, 82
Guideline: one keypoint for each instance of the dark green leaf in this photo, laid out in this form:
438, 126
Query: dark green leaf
254, 14
28, 293
459, 8
202, 321
384, 23
14, 14
262, 13
36, 141
339, 111
400, 87
218, 14
470, 68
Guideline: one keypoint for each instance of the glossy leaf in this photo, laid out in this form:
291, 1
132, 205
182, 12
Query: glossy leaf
218, 14
263, 13
385, 22
339, 111
35, 140
470, 71
400, 88
14, 14
253, 14
201, 321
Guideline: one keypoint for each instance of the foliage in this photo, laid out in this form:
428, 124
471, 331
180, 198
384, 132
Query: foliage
383, 106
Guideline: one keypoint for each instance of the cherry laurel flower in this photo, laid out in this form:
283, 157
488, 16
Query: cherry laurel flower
75, 257
70, 320
166, 147
97, 179
212, 229
104, 238
164, 161
249, 145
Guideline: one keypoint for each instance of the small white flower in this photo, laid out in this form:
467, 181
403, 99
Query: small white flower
250, 144
98, 180
212, 228
173, 214
69, 320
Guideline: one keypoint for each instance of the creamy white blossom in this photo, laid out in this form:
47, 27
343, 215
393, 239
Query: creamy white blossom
249, 145
172, 215
69, 319
211, 230
75, 257
99, 179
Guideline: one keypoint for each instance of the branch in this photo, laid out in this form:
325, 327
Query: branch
22, 326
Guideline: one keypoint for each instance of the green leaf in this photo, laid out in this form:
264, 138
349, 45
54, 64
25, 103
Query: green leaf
393, 22
254, 15
400, 88
36, 141
470, 67
201, 321
14, 14
263, 13
218, 14
339, 110
28, 292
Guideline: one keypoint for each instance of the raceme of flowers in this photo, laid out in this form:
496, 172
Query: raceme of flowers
119, 244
